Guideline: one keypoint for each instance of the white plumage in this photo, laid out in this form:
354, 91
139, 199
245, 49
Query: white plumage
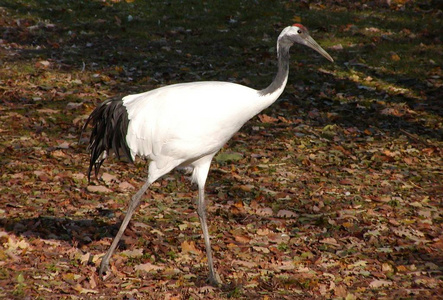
172, 126
184, 125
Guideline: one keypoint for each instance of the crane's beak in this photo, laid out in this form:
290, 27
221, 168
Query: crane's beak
310, 42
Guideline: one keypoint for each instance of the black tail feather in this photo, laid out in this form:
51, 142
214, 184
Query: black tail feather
110, 126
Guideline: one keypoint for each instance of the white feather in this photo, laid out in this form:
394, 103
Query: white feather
178, 124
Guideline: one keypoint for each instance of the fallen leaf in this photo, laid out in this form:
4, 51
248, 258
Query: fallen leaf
148, 267
387, 268
242, 263
84, 258
242, 239
125, 186
63, 145
263, 232
132, 253
377, 283
267, 119
82, 290
337, 47
48, 111
98, 189
286, 214
14, 244
108, 178
360, 263
265, 211
247, 187
261, 249
395, 56
340, 291
329, 241
286, 265
189, 247
183, 226
43, 64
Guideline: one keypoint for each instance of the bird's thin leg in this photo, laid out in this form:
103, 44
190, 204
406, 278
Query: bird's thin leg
135, 201
214, 279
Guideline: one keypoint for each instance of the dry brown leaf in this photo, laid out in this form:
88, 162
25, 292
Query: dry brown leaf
261, 249
283, 213
242, 263
148, 267
132, 253
125, 186
287, 265
242, 239
265, 211
98, 189
109, 178
263, 232
329, 241
189, 247
340, 291
377, 283
267, 119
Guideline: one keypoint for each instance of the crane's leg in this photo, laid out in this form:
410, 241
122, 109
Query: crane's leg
135, 201
214, 279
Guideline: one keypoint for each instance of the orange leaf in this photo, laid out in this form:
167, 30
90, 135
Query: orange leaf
189, 247
267, 119
242, 239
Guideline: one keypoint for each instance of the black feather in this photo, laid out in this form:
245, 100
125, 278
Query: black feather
110, 126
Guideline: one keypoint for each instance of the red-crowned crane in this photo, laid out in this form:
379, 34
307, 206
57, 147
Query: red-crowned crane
184, 125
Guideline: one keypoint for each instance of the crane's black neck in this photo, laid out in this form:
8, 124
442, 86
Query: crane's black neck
282, 73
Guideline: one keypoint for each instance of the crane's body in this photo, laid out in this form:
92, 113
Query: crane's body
184, 125
171, 126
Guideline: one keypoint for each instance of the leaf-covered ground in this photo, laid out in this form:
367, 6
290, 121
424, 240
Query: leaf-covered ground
333, 192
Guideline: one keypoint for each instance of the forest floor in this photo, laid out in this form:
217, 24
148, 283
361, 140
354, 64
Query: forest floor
334, 192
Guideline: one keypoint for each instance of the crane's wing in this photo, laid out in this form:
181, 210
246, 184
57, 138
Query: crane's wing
187, 121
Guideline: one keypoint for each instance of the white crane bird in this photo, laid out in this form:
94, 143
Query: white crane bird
184, 125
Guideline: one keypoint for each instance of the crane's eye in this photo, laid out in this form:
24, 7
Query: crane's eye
299, 31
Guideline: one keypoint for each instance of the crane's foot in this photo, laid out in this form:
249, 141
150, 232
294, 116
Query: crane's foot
104, 268
214, 280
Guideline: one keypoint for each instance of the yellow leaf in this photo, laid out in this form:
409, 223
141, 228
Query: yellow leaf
296, 19
347, 224
183, 226
189, 247
386, 268
350, 297
394, 56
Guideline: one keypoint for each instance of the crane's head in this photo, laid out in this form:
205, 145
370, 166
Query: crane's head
298, 33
